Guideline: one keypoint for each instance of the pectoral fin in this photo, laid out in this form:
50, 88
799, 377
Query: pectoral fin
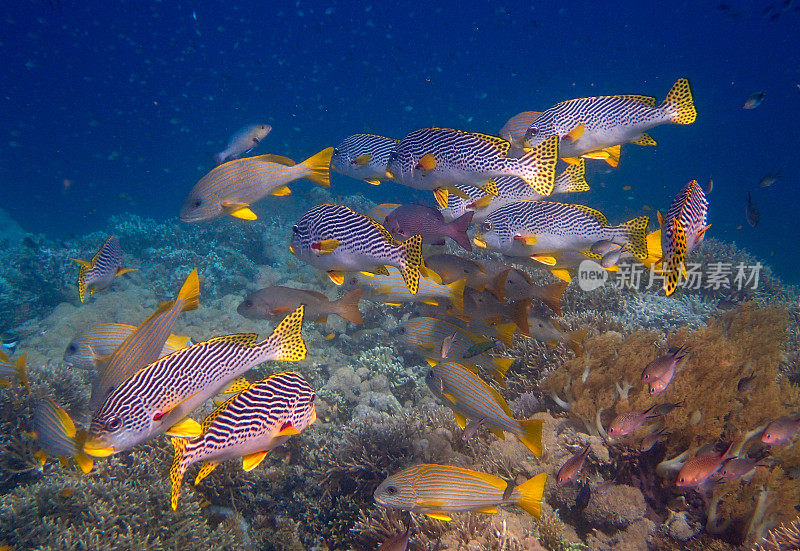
526, 239
547, 260
440, 516
460, 419
362, 160
326, 246
441, 195
575, 133
373, 181
282, 191
187, 428
244, 213
426, 163
336, 277
250, 462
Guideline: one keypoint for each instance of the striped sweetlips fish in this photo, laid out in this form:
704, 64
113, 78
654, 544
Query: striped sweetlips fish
159, 397
463, 391
231, 188
99, 341
596, 127
363, 157
248, 425
145, 344
337, 239
438, 490
58, 437
428, 334
682, 229
509, 189
436, 158
99, 272
542, 229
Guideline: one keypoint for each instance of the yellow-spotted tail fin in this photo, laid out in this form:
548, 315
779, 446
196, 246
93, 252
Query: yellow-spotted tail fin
319, 167
531, 435
539, 166
180, 462
679, 103
286, 342
347, 306
529, 495
457, 294
85, 266
636, 233
190, 292
573, 179
410, 262
674, 263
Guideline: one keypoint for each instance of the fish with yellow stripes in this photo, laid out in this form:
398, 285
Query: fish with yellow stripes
502, 332
159, 397
248, 425
144, 345
437, 158
337, 239
438, 490
11, 370
514, 129
381, 211
363, 157
595, 127
57, 436
391, 289
682, 229
463, 391
231, 188
541, 230
509, 189
427, 334
99, 272
101, 340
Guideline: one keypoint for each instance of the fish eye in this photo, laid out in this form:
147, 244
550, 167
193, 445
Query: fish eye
198, 202
402, 330
72, 348
295, 229
486, 226
532, 131
114, 423
681, 479
393, 156
391, 490
248, 303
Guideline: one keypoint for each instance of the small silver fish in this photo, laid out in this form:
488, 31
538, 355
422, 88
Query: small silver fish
768, 179
242, 142
754, 100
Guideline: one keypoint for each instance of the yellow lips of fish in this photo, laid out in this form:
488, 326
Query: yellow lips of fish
98, 447
479, 242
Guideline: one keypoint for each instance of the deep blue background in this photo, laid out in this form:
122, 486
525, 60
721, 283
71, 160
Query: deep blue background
128, 101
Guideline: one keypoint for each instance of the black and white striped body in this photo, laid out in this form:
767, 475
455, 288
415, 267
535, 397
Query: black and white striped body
527, 228
363, 156
166, 391
250, 421
364, 245
682, 230
466, 158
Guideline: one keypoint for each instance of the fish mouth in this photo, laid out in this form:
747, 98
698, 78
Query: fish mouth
98, 447
479, 242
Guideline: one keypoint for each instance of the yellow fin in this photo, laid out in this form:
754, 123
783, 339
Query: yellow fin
572, 160
526, 239
424, 271
122, 271
679, 102
529, 495
336, 277
177, 342
279, 159
326, 246
393, 303
613, 155
187, 428
236, 386
84, 462
282, 191
660, 218
441, 195
381, 270
487, 510
481, 203
430, 302
204, 471
440, 516
431, 362
498, 433
82, 263
288, 430
489, 187
575, 133
562, 274
319, 167
244, 213
547, 260
531, 435
250, 462
373, 181
427, 162
362, 160
645, 140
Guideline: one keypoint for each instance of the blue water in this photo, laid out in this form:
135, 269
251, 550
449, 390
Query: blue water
128, 101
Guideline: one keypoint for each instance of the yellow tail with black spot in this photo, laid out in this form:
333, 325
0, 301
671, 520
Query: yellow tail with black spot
410, 262
680, 104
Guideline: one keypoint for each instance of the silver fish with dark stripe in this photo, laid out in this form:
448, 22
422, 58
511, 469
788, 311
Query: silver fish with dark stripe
337, 239
363, 157
438, 490
595, 127
158, 398
542, 229
509, 189
436, 158
463, 391
231, 188
247, 425
682, 229
99, 272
